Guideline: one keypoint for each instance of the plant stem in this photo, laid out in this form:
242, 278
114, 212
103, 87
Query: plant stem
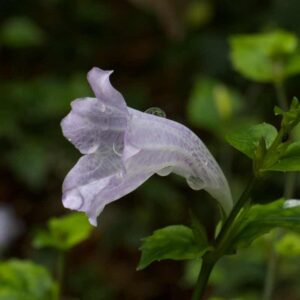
281, 94
270, 275
289, 186
221, 243
203, 277
244, 198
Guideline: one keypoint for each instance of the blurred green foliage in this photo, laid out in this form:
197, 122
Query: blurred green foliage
64, 233
24, 280
214, 106
176, 56
267, 56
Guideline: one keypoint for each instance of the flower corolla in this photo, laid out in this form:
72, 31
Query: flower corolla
123, 147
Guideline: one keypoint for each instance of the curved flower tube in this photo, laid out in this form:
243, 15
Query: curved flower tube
123, 147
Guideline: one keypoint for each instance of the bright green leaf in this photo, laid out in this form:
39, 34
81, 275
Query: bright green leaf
24, 280
260, 56
247, 140
65, 232
260, 219
175, 242
290, 160
212, 105
292, 66
288, 245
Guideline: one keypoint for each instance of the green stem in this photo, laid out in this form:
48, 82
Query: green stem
242, 201
270, 278
290, 184
221, 243
270, 275
289, 187
281, 94
203, 277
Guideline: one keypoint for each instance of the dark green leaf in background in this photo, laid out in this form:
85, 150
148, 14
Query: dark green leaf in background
19, 32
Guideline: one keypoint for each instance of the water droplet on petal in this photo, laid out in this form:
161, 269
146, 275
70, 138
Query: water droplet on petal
156, 111
165, 171
70, 140
120, 175
117, 148
102, 107
195, 183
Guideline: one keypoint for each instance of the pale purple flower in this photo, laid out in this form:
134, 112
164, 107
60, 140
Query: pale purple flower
123, 147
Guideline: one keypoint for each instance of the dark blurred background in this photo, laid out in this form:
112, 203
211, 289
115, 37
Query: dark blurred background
172, 54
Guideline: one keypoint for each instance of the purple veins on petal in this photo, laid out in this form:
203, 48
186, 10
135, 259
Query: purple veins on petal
123, 147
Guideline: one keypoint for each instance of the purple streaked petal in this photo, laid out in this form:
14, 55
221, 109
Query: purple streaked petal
92, 184
91, 125
172, 147
124, 147
93, 167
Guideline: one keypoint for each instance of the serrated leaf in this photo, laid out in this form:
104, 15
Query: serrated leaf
175, 242
255, 55
246, 140
289, 161
260, 219
65, 232
24, 280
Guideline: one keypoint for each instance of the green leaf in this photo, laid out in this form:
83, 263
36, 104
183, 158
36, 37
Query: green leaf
24, 280
247, 140
292, 66
21, 32
288, 245
261, 219
198, 230
289, 161
260, 56
65, 232
212, 105
175, 242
